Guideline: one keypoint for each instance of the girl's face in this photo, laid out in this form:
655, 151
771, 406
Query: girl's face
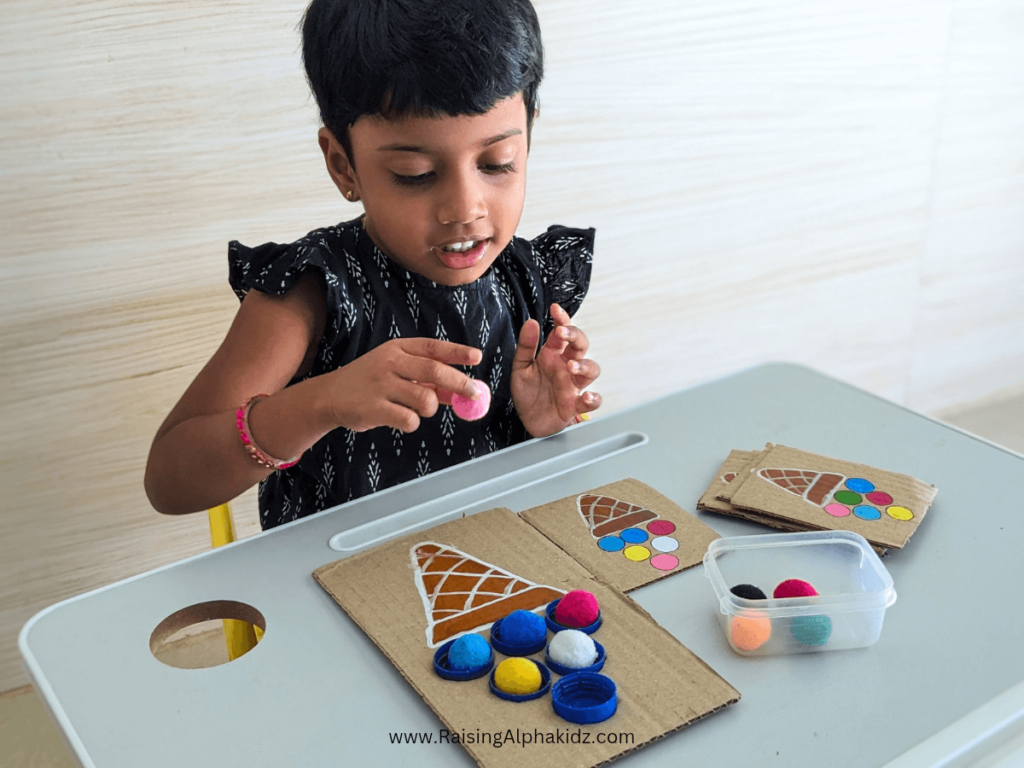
443, 196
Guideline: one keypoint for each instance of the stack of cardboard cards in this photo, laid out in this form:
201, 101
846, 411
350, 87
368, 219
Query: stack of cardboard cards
793, 490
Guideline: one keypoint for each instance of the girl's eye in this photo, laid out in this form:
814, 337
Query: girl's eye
411, 181
496, 169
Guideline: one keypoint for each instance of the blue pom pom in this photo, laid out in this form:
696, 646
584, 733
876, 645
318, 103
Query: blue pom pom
523, 628
811, 630
468, 652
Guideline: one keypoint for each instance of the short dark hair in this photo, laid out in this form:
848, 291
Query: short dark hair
423, 57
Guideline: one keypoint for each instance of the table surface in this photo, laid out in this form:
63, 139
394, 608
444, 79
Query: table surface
946, 673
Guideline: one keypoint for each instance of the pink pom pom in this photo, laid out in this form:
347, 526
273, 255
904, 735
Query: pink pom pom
471, 410
794, 588
577, 609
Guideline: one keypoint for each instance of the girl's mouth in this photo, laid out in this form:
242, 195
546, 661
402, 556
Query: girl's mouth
461, 255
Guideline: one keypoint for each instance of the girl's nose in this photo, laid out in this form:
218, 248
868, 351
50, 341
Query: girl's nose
462, 200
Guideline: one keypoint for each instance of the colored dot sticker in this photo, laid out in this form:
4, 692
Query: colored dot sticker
636, 553
665, 544
881, 498
848, 497
860, 485
665, 562
633, 535
611, 543
661, 527
837, 510
864, 512
900, 513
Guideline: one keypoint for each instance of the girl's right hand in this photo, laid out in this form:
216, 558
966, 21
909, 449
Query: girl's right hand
395, 384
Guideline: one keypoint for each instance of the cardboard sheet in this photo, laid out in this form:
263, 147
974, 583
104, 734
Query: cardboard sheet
733, 485
391, 592
818, 491
731, 467
626, 533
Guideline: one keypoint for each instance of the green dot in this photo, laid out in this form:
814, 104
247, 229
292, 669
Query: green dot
847, 497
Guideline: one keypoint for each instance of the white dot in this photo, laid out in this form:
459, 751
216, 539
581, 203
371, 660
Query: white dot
665, 544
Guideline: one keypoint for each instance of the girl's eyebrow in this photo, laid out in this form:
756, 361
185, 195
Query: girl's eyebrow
415, 148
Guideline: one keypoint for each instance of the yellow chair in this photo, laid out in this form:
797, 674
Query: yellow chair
241, 636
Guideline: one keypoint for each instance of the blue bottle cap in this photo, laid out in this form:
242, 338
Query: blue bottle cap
562, 670
545, 685
514, 650
443, 669
554, 626
584, 698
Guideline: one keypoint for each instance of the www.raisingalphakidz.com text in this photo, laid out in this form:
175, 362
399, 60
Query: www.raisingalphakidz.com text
511, 737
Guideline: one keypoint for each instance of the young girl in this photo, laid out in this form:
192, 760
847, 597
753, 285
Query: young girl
336, 376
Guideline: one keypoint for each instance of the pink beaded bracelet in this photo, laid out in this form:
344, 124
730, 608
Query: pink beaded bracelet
245, 434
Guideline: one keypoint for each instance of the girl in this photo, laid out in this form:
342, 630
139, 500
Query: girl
331, 380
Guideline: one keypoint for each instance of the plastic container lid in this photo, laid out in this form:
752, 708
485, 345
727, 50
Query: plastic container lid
584, 698
513, 650
565, 671
554, 626
442, 668
545, 686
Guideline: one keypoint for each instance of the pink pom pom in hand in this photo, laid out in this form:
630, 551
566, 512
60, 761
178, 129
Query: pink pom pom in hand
471, 410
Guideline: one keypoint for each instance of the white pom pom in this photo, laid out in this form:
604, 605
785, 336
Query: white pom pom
572, 648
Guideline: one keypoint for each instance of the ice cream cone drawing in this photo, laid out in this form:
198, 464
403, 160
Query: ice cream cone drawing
837, 494
615, 525
462, 594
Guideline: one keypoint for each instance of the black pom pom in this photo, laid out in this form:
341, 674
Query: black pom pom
748, 592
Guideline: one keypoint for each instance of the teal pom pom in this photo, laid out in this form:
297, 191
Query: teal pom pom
811, 630
468, 652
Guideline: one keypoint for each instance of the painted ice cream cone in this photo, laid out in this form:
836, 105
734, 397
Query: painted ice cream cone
605, 515
816, 487
462, 594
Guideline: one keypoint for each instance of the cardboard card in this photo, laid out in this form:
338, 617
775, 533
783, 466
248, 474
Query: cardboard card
821, 492
401, 592
726, 493
625, 533
731, 467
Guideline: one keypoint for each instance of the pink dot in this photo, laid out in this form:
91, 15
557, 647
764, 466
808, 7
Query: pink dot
665, 562
837, 510
661, 527
880, 497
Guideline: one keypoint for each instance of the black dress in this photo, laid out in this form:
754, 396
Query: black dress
371, 299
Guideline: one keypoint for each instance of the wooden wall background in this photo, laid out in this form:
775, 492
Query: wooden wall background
839, 184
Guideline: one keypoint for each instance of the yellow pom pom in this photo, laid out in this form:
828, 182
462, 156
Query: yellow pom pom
517, 676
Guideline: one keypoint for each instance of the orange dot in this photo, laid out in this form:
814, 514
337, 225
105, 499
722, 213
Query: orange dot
749, 631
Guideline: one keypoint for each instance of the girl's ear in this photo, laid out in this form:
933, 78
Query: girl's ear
339, 167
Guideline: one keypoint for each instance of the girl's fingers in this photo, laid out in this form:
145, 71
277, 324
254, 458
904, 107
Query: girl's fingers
526, 347
587, 402
443, 351
584, 372
432, 374
399, 417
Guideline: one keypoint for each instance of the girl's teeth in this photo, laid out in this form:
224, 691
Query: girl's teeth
459, 247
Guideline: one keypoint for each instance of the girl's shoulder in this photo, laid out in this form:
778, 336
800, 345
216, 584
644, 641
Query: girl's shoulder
562, 259
329, 254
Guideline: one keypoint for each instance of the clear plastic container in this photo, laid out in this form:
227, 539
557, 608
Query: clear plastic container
854, 589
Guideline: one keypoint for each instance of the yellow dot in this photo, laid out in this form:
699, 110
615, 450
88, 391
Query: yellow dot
900, 513
636, 553
518, 676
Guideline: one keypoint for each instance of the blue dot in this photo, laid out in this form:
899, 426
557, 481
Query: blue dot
634, 535
860, 485
864, 512
611, 544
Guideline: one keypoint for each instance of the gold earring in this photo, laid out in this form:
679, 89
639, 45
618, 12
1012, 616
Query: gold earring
348, 195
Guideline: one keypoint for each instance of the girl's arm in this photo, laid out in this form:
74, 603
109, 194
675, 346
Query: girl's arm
197, 460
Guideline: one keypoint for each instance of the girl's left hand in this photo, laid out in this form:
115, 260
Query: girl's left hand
547, 386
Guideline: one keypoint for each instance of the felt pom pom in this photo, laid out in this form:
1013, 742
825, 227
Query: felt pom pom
471, 410
577, 609
468, 652
748, 592
572, 648
523, 628
749, 631
794, 588
811, 630
518, 676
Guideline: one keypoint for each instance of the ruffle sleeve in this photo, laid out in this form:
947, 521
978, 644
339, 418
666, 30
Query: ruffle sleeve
564, 257
275, 269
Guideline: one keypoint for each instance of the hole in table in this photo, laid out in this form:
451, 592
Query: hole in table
207, 634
